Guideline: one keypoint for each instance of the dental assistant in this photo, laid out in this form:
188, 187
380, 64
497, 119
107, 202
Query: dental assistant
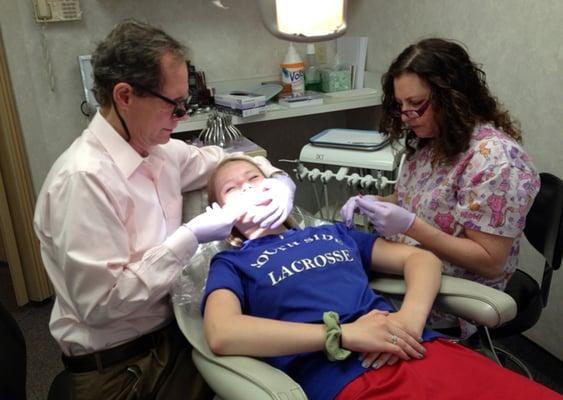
467, 184
109, 220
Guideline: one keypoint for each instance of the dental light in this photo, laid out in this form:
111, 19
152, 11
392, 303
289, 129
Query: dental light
304, 20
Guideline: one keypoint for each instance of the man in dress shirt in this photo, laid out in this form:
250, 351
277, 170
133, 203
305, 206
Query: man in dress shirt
109, 221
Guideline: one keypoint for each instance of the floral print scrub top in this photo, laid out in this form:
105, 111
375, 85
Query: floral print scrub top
489, 188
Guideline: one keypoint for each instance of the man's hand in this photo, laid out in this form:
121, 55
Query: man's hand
277, 199
215, 223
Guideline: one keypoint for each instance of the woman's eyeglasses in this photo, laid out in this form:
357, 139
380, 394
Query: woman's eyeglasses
180, 106
411, 114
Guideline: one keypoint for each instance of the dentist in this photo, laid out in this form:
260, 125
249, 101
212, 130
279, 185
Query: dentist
108, 218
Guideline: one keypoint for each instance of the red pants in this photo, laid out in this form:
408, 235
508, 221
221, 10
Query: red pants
447, 371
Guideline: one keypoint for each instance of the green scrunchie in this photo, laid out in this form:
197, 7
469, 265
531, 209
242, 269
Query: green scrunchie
332, 337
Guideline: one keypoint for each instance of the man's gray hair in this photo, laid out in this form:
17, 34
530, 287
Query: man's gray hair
131, 53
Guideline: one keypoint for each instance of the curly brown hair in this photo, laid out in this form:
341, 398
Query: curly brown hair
460, 98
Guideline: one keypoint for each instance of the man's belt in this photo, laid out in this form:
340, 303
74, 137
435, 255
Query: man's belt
105, 358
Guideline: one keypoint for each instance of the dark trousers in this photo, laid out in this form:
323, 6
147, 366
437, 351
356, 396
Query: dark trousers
165, 372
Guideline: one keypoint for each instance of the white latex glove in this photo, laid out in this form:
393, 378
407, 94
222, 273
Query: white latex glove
348, 209
278, 195
215, 223
387, 218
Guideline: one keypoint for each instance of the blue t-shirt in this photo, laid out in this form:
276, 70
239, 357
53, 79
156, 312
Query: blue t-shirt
297, 276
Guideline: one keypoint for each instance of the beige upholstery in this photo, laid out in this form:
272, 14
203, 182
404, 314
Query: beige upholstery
243, 378
232, 377
466, 299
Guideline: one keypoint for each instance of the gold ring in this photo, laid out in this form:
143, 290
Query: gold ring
394, 339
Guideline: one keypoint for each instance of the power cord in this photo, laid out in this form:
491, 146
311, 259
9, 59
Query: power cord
47, 57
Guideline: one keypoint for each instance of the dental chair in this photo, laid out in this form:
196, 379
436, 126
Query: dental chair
243, 378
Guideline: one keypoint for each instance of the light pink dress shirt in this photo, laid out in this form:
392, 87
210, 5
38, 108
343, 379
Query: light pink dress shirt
110, 226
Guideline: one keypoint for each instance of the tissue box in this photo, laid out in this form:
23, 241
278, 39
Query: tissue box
240, 101
336, 80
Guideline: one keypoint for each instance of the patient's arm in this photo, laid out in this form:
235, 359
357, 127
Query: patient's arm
229, 332
421, 270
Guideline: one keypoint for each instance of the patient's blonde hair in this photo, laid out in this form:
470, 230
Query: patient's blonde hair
236, 238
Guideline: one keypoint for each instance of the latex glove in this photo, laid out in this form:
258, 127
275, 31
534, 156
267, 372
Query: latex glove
387, 218
215, 223
278, 195
348, 209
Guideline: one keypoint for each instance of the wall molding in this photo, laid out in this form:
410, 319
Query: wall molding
17, 200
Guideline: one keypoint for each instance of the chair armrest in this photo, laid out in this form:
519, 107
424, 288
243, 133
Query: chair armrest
466, 299
235, 377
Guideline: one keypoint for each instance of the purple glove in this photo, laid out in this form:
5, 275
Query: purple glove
280, 190
348, 209
215, 223
387, 218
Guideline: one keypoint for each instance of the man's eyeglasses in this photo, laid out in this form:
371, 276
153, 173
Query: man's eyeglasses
180, 106
410, 114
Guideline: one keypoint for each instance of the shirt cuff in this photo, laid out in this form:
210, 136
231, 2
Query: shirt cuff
183, 243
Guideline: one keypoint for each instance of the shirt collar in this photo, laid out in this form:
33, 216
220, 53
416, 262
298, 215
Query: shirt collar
264, 240
124, 156
154, 162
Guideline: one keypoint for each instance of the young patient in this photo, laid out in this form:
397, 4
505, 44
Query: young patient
269, 298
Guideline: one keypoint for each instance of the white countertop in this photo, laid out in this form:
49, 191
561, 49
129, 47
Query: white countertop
337, 101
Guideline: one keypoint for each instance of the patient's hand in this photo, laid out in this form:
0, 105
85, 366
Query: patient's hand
414, 326
402, 322
375, 333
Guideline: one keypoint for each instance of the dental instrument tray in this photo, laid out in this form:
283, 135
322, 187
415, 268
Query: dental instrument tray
355, 139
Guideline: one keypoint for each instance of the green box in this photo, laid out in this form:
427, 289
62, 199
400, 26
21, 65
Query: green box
336, 80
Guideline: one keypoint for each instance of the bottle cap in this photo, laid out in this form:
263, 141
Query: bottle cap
310, 48
292, 56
